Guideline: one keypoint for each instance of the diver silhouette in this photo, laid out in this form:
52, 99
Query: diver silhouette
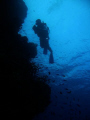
42, 31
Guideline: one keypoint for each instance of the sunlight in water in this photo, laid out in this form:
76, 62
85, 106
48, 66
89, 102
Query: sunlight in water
68, 21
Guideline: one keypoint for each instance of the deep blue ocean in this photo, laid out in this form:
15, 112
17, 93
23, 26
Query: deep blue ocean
69, 75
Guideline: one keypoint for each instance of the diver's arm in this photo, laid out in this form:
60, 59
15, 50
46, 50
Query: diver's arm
34, 28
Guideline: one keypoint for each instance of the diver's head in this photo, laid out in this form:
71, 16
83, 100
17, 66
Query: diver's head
38, 22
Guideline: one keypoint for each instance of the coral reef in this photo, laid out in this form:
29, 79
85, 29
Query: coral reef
21, 94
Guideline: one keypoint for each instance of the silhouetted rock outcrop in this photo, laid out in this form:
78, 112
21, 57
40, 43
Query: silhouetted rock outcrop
21, 95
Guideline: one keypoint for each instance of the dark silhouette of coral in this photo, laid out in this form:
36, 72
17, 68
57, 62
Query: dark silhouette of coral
21, 95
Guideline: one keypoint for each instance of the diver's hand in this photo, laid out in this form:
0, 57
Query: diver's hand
34, 27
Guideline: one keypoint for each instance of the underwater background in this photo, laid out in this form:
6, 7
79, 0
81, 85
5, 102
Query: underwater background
69, 75
52, 86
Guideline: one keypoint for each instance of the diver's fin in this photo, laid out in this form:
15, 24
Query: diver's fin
51, 59
45, 51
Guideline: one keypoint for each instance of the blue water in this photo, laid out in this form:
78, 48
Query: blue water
69, 24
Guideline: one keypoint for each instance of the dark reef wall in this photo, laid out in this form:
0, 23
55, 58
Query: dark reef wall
20, 94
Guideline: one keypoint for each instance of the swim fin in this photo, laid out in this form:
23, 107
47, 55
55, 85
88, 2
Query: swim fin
51, 59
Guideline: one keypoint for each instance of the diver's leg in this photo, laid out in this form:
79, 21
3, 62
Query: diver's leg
45, 51
49, 48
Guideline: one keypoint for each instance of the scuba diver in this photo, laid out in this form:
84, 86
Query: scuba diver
42, 31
